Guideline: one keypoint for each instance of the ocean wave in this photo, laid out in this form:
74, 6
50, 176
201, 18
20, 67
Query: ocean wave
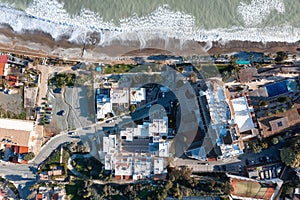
50, 17
254, 13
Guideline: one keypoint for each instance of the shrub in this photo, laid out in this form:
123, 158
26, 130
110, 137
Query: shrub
263, 103
275, 140
283, 99
132, 108
264, 145
29, 156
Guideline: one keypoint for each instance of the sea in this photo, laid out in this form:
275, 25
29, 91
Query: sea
199, 20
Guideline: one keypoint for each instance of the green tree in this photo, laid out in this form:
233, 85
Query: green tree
132, 108
255, 147
283, 99
281, 56
275, 140
262, 103
289, 157
29, 156
264, 145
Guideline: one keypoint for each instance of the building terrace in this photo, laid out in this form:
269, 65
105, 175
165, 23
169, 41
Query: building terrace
131, 153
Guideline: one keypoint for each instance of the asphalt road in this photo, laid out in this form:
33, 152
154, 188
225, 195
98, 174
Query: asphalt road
51, 145
23, 176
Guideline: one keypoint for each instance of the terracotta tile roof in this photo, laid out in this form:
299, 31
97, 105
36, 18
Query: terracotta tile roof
2, 65
17, 137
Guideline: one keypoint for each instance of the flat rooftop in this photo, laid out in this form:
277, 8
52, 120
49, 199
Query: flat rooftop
242, 114
16, 124
15, 132
137, 95
119, 95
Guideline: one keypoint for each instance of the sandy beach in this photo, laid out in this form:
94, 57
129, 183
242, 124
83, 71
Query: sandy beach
37, 43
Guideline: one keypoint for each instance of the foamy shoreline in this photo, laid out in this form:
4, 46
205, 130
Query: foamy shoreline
163, 23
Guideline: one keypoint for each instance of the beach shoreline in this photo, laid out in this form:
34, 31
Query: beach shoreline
41, 44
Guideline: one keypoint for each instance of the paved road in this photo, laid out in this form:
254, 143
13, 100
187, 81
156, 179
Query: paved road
23, 176
51, 145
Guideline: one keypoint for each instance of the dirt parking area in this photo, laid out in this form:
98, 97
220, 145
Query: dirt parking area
81, 101
58, 122
11, 106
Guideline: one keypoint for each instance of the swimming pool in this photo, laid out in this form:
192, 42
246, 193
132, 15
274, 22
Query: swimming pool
282, 87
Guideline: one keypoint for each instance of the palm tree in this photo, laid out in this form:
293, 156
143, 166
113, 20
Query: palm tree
5, 84
251, 57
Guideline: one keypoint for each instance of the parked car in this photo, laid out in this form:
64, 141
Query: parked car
202, 163
264, 159
171, 104
61, 112
71, 133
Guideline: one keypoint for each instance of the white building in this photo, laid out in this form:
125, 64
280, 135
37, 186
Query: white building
159, 127
103, 103
137, 95
158, 166
137, 151
109, 144
242, 114
119, 96
18, 133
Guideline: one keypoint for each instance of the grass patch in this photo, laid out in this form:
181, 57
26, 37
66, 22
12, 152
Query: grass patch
62, 80
54, 161
209, 71
117, 69
56, 157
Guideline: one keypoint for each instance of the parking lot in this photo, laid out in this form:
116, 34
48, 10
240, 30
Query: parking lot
57, 122
82, 106
12, 103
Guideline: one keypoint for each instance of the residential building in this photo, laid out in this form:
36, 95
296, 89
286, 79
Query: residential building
103, 104
137, 153
275, 105
137, 95
17, 135
119, 96
220, 138
3, 64
248, 74
265, 171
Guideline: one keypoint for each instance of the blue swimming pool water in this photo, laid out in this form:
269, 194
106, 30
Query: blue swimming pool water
280, 88
243, 62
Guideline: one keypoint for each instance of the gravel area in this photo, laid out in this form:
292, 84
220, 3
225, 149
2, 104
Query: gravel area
12, 102
58, 122
81, 113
